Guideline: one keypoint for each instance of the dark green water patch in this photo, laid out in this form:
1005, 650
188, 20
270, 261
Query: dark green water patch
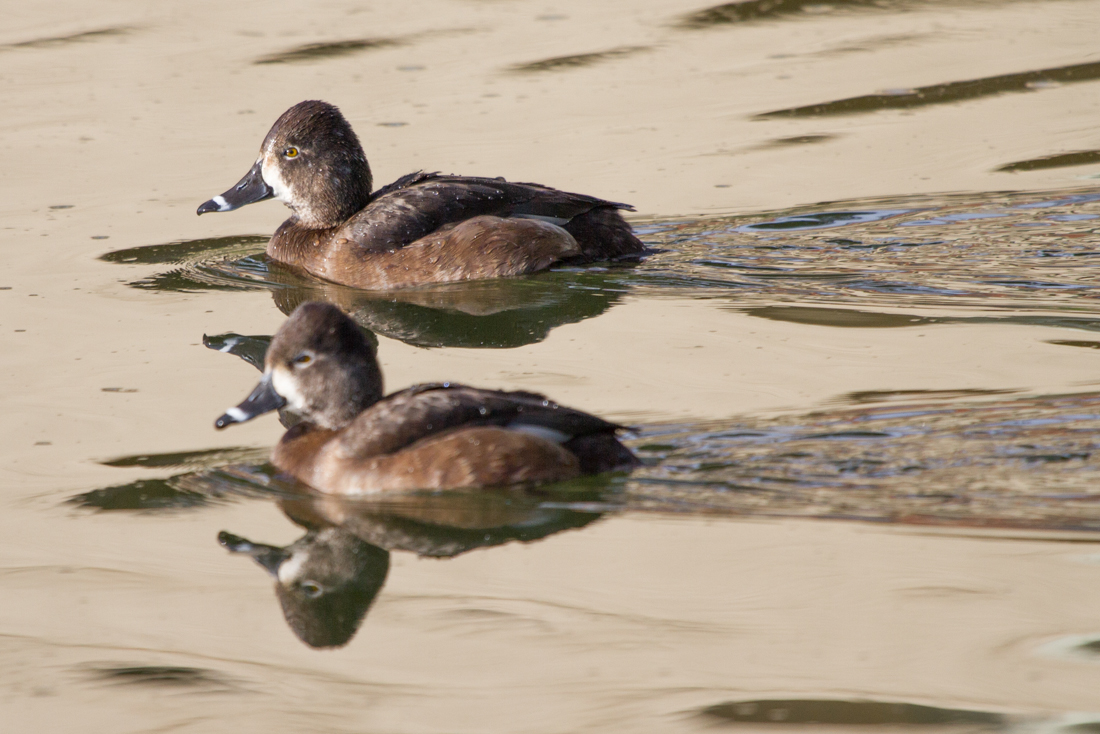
860, 713
161, 676
1062, 160
798, 140
752, 10
81, 37
188, 459
186, 251
143, 494
328, 50
558, 63
217, 263
1075, 343
1086, 727
212, 480
844, 318
885, 396
946, 93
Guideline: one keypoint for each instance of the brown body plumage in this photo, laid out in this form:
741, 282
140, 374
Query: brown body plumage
354, 442
424, 227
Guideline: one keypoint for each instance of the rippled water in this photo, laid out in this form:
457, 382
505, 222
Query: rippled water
988, 457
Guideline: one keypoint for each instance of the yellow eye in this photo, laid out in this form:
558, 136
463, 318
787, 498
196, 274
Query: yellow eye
291, 152
302, 359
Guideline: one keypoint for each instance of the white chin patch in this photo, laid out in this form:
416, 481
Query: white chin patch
548, 434
223, 205
291, 568
237, 414
274, 179
285, 384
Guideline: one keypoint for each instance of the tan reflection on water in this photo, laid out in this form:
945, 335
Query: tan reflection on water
119, 118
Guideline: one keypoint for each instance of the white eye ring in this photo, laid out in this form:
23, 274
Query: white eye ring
291, 152
302, 360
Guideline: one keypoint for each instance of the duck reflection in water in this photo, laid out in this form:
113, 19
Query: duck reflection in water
494, 314
498, 314
327, 580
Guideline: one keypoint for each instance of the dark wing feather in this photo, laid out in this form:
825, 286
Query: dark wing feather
420, 203
405, 417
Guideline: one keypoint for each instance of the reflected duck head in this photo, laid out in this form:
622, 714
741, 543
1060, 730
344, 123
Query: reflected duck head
319, 365
311, 160
325, 581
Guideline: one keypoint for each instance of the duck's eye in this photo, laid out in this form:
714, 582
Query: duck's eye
311, 589
291, 152
303, 359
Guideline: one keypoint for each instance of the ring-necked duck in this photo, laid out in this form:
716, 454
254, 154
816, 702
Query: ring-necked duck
422, 228
354, 441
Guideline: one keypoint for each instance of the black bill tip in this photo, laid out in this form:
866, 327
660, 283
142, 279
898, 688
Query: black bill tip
250, 189
262, 399
217, 204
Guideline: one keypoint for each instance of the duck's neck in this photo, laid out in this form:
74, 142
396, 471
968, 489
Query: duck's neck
361, 390
347, 388
298, 245
338, 190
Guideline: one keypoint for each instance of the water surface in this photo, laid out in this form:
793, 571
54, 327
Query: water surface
860, 366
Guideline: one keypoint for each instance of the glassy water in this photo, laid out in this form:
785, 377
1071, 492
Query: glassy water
869, 425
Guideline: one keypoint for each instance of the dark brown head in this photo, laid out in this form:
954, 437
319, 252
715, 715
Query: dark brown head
311, 161
320, 365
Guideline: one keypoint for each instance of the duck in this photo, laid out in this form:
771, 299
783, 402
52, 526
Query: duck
422, 228
353, 441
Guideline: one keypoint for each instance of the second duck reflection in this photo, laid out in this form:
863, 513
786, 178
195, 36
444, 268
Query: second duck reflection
327, 580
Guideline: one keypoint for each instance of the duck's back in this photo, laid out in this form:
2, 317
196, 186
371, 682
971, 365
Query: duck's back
419, 204
409, 415
445, 436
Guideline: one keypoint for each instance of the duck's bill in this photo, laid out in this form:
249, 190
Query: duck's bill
250, 189
263, 399
268, 556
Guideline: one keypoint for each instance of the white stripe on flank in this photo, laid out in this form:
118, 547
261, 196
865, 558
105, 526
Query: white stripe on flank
543, 218
547, 434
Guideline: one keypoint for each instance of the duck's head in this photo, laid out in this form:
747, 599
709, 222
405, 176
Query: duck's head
311, 161
325, 581
319, 365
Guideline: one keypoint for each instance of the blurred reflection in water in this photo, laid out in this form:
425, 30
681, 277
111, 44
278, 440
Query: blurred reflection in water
493, 313
326, 580
1026, 255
